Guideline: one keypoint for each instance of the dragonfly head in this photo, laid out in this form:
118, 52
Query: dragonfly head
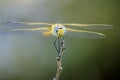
58, 29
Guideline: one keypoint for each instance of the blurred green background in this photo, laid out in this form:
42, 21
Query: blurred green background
31, 56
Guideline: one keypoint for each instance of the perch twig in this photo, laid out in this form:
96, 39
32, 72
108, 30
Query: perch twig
60, 47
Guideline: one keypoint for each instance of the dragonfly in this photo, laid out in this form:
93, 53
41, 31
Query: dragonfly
61, 29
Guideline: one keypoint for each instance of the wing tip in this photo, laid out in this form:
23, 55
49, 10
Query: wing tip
13, 23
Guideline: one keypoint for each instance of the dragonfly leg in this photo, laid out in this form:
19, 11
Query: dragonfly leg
59, 47
63, 43
59, 44
62, 46
55, 44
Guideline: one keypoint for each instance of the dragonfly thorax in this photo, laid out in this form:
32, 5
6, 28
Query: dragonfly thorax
58, 29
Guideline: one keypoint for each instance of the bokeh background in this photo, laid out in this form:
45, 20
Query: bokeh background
31, 56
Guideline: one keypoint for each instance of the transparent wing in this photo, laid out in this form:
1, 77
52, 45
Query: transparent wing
30, 29
90, 26
15, 23
84, 34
